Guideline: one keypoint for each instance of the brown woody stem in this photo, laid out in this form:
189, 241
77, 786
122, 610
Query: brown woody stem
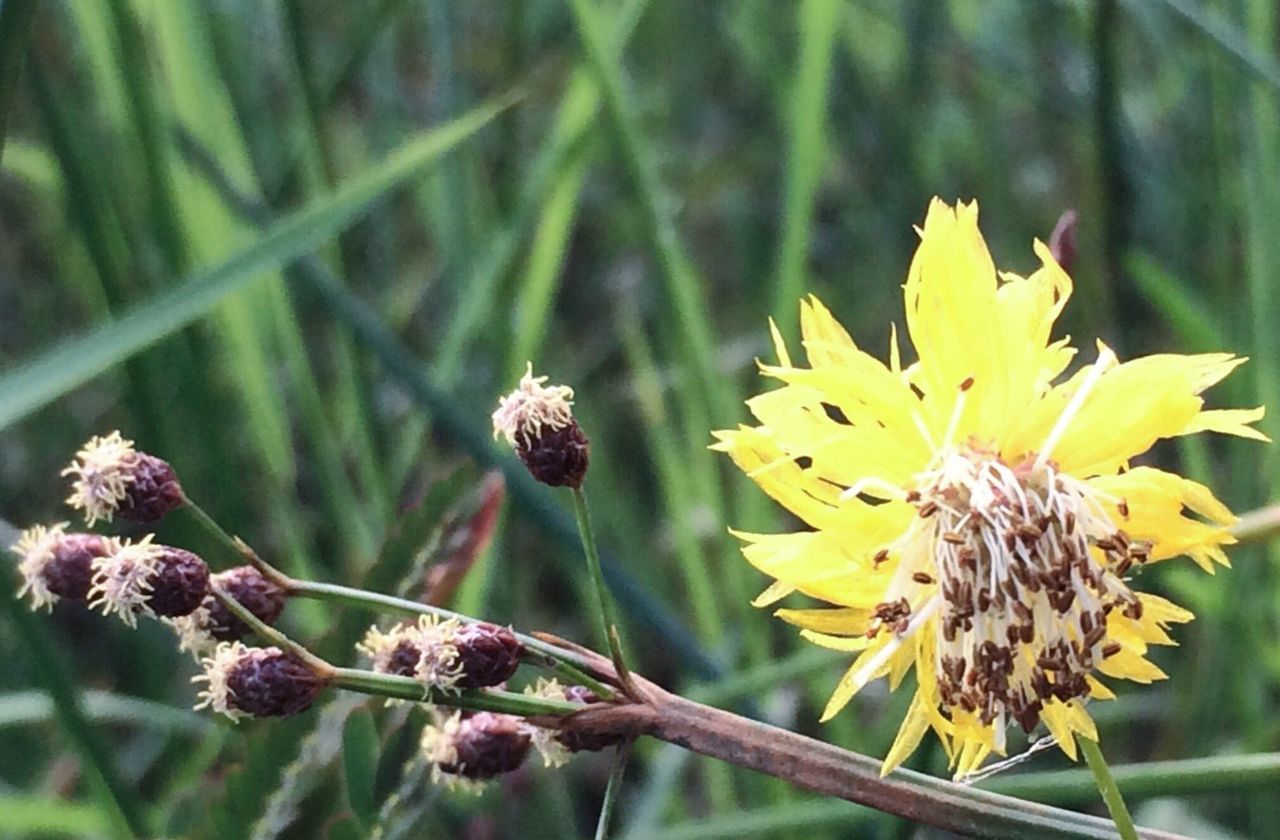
829, 770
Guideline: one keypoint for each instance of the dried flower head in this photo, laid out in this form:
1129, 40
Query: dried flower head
464, 751
210, 623
112, 478
55, 564
144, 578
537, 420
972, 515
423, 650
256, 682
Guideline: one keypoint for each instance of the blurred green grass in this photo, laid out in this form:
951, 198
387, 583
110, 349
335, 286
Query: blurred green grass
294, 248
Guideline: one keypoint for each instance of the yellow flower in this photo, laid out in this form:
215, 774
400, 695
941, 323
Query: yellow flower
974, 514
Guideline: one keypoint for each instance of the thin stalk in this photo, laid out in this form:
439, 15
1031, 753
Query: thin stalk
270, 634
567, 663
480, 700
1108, 788
1258, 525
604, 606
235, 545
620, 757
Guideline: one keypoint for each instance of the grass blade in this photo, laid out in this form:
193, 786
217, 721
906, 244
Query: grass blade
807, 132
16, 18
58, 371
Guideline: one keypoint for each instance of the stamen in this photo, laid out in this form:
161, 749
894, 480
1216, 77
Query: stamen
1105, 358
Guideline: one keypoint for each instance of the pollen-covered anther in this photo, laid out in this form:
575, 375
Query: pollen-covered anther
537, 421
256, 682
56, 565
1028, 566
110, 477
144, 578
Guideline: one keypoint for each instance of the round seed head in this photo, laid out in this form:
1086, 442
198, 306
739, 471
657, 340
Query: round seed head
487, 653
424, 650
258, 594
257, 682
211, 622
557, 457
55, 564
110, 476
486, 745
537, 421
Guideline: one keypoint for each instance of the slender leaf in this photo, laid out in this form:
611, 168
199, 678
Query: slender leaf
60, 370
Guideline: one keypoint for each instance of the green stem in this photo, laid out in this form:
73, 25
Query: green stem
270, 634
235, 545
566, 663
1107, 787
485, 700
603, 605
620, 757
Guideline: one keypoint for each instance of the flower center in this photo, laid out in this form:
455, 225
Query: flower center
1027, 567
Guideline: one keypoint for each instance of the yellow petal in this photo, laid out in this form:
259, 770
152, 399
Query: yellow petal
1228, 421
774, 593
914, 725
838, 622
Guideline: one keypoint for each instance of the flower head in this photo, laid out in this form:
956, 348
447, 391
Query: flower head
537, 420
200, 631
55, 564
111, 477
144, 578
973, 514
465, 751
256, 682
424, 650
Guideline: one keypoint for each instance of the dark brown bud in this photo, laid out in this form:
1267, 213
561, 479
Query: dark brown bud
259, 595
584, 741
153, 492
267, 682
488, 745
179, 582
556, 457
487, 653
404, 658
70, 573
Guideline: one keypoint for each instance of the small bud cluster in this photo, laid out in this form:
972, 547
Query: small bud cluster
143, 578
556, 745
537, 421
466, 751
212, 622
56, 565
243, 681
112, 478
445, 655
